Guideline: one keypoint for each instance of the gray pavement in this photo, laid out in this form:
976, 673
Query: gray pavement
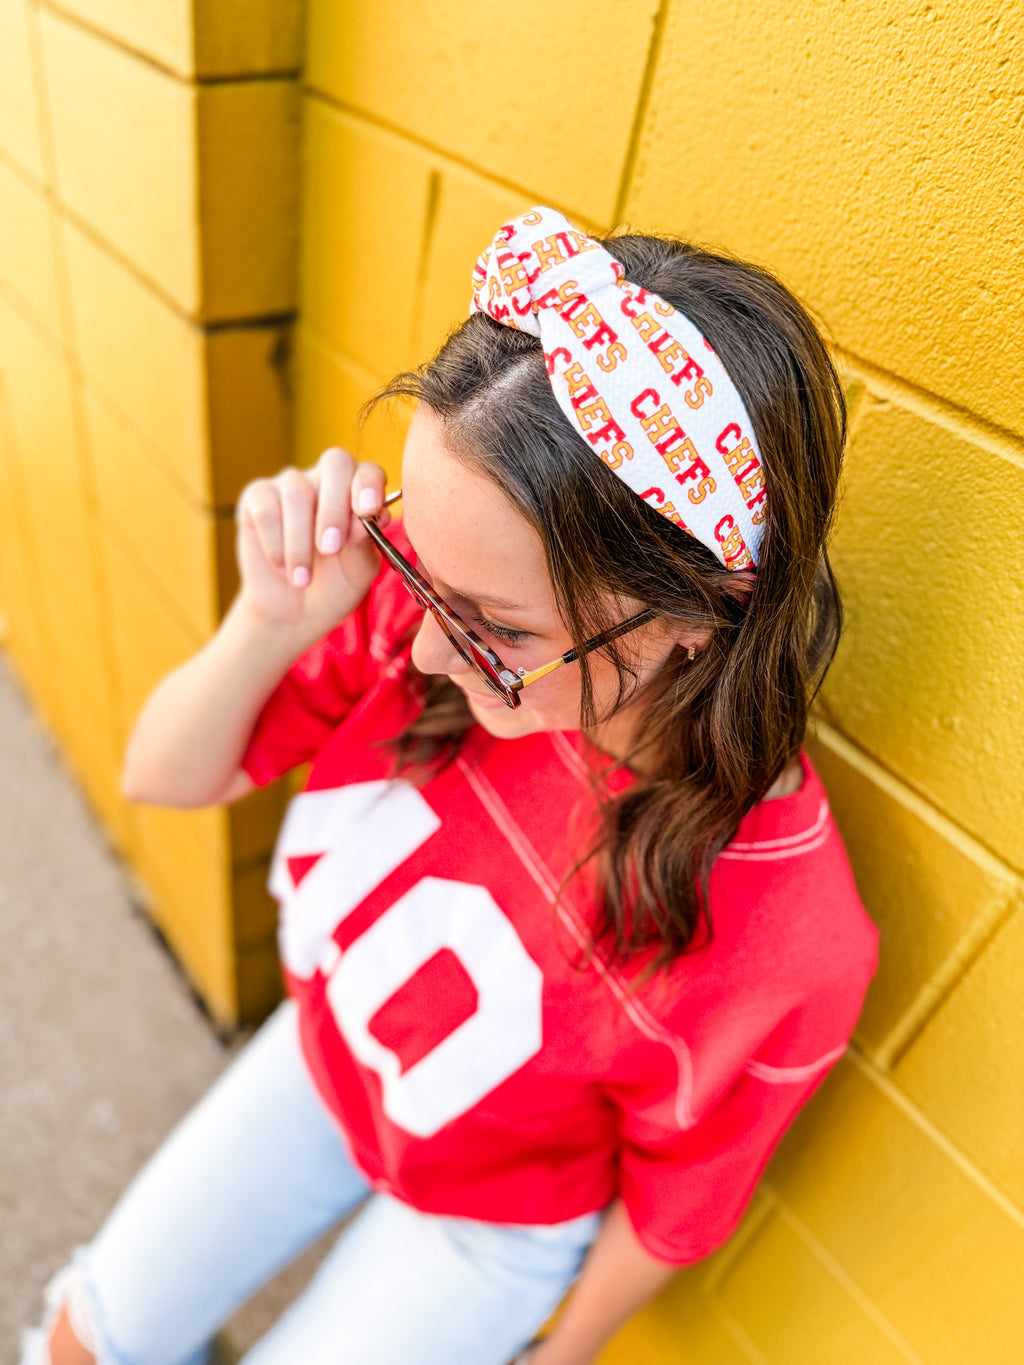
102, 1046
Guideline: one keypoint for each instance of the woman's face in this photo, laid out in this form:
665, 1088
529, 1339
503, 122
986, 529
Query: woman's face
487, 562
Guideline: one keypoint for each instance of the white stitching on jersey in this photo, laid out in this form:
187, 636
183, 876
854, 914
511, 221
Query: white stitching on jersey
641, 1017
781, 1075
778, 854
643, 1020
568, 754
502, 817
789, 839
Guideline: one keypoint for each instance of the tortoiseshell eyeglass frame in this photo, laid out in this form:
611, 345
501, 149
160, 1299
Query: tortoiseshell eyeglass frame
501, 680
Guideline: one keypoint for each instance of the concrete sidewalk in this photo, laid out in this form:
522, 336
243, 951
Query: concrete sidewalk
102, 1046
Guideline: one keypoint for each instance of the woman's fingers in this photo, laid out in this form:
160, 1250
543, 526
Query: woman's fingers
368, 490
260, 508
333, 480
299, 512
344, 488
298, 507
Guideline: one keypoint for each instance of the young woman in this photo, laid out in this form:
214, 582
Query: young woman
568, 930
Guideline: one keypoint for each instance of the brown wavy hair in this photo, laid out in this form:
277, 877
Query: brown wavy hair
715, 733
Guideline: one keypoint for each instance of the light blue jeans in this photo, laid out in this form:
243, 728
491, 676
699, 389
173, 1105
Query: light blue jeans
255, 1173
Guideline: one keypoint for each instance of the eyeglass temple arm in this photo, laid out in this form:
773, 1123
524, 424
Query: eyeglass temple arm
604, 638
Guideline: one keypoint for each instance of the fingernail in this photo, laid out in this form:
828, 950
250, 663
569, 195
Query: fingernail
330, 541
300, 576
367, 501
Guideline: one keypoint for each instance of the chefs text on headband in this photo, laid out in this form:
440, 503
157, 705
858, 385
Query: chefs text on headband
635, 377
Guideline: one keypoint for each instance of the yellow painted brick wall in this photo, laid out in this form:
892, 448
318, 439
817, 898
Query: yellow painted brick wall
148, 197
869, 154
151, 208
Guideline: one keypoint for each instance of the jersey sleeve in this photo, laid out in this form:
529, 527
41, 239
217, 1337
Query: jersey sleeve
322, 687
686, 1181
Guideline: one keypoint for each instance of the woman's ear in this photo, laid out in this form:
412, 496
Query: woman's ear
686, 638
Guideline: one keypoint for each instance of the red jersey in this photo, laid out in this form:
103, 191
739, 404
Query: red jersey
476, 1064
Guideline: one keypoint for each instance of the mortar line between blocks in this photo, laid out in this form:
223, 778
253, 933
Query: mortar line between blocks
858, 407
113, 40
821, 1253
450, 158
131, 267
22, 173
924, 807
640, 113
940, 412
332, 349
935, 1135
193, 77
71, 352
737, 1244
738, 1333
430, 212
936, 991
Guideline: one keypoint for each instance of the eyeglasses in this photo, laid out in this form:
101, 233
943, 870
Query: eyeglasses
502, 681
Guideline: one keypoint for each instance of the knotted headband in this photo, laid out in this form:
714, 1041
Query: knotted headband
635, 376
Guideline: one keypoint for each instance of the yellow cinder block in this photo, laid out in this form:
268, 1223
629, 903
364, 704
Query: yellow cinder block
35, 678
940, 1260
254, 911
215, 405
364, 210
864, 212
928, 675
42, 437
66, 589
182, 856
194, 842
24, 633
23, 636
146, 358
795, 1311
148, 639
259, 984
32, 369
227, 564
26, 261
965, 1069
196, 186
247, 36
150, 512
254, 823
91, 747
159, 29
497, 85
468, 213
929, 890
126, 150
205, 38
248, 386
248, 186
191, 899
19, 122
331, 390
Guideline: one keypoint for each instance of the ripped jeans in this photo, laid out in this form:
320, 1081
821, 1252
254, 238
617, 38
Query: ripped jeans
253, 1175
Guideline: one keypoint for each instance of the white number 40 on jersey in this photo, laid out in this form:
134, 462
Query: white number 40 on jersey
344, 842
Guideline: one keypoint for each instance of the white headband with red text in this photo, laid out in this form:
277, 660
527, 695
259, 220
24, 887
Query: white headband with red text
635, 376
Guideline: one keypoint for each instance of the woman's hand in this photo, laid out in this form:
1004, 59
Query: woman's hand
305, 559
